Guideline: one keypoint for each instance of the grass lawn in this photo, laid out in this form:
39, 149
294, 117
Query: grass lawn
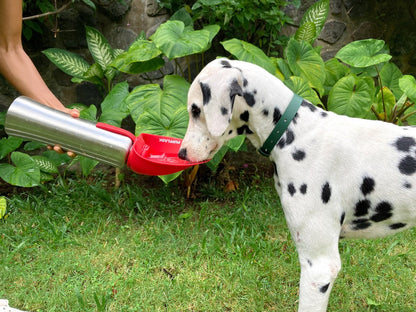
85, 247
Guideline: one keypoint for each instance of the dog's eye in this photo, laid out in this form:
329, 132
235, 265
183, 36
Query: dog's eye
195, 111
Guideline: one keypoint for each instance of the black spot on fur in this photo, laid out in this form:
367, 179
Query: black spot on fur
324, 114
290, 137
309, 262
407, 185
324, 288
342, 218
226, 64
229, 132
309, 105
206, 93
367, 186
407, 165
245, 82
303, 189
274, 168
224, 111
396, 226
235, 89
291, 189
383, 212
245, 116
404, 143
265, 112
276, 115
195, 111
244, 130
326, 193
361, 224
298, 155
362, 207
249, 97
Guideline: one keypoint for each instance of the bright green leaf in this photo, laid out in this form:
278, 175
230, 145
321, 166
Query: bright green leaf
408, 85
363, 53
316, 14
45, 164
302, 88
24, 173
352, 96
306, 32
305, 62
3, 206
114, 108
247, 52
8, 145
390, 75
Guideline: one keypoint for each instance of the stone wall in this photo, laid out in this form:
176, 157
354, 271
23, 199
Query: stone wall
122, 21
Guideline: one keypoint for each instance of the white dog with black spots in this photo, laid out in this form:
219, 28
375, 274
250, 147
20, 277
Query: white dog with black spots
337, 177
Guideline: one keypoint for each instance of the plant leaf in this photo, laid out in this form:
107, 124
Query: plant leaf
390, 75
352, 96
8, 145
158, 111
302, 88
306, 32
363, 53
305, 62
99, 47
247, 52
408, 85
45, 164
174, 40
70, 63
334, 71
114, 108
316, 14
25, 173
3, 206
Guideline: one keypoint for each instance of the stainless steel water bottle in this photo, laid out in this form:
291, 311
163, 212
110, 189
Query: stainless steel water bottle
31, 120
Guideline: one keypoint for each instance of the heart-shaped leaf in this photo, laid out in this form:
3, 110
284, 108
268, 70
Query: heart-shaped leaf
408, 85
363, 53
114, 108
174, 40
390, 75
352, 96
305, 62
158, 111
8, 145
24, 173
247, 52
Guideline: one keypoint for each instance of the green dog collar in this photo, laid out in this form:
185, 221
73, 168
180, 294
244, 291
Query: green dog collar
281, 126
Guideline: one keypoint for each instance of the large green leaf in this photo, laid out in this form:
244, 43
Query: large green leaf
8, 145
142, 56
247, 52
70, 63
316, 14
99, 47
390, 75
363, 53
352, 96
305, 62
408, 85
334, 70
114, 108
25, 173
174, 40
306, 32
161, 111
45, 164
302, 88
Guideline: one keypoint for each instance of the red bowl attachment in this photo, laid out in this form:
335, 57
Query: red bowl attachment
157, 155
152, 154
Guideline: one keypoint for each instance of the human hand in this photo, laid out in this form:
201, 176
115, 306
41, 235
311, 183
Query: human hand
57, 148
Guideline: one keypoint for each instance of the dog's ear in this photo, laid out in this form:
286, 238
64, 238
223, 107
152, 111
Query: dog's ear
218, 111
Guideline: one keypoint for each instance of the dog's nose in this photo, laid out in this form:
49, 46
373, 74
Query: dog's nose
182, 154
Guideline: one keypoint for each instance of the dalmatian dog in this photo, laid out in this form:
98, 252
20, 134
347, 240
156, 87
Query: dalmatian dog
336, 176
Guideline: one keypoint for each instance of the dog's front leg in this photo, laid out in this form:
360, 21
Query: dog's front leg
316, 236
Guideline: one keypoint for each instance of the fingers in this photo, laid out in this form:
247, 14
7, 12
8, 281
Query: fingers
59, 150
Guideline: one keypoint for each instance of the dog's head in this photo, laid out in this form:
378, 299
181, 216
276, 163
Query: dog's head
211, 101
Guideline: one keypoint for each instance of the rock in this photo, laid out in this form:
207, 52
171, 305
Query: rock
332, 31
